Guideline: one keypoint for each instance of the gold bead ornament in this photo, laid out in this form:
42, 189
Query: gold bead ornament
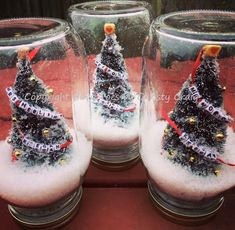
50, 91
17, 153
192, 120
14, 119
219, 136
192, 159
217, 172
170, 113
62, 161
166, 131
171, 154
9, 140
45, 132
32, 77
67, 131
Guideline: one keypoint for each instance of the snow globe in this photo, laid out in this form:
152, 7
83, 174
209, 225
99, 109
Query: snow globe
113, 33
187, 113
44, 150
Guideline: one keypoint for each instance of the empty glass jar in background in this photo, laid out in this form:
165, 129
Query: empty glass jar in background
113, 33
45, 140
187, 113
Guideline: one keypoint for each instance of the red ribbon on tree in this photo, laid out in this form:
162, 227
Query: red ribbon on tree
33, 53
196, 64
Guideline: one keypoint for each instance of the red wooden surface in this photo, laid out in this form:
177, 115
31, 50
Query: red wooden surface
115, 208
133, 177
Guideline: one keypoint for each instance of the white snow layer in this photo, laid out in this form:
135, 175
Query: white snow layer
42, 185
176, 180
108, 135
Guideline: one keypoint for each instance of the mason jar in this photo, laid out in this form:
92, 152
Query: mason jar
187, 112
113, 33
45, 139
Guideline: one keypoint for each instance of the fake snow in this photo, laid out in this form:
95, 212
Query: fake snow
178, 181
108, 135
42, 185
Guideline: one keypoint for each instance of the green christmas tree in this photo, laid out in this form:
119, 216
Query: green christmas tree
113, 96
39, 134
196, 133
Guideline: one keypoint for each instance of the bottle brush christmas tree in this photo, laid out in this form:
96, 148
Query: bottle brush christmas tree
39, 134
196, 133
112, 93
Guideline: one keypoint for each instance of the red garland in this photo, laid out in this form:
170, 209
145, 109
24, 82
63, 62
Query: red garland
196, 64
131, 108
33, 53
172, 123
13, 157
66, 144
223, 162
18, 103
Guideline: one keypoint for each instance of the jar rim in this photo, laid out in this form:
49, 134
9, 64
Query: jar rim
109, 7
28, 31
208, 25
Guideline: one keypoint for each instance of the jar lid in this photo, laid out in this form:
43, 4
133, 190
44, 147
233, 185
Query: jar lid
198, 24
109, 7
21, 31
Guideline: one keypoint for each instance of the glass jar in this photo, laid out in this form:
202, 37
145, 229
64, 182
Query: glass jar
113, 33
45, 139
187, 112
